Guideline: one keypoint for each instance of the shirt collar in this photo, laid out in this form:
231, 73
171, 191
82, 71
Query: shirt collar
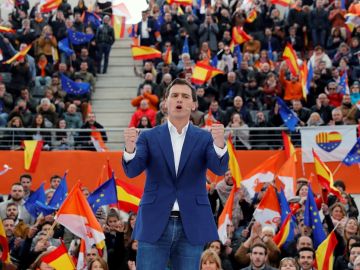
173, 130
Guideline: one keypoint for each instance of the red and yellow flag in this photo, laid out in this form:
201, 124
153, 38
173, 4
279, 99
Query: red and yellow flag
119, 26
20, 54
50, 5
289, 55
303, 79
4, 244
32, 150
203, 72
180, 2
76, 215
239, 36
288, 146
59, 259
251, 16
325, 177
168, 56
284, 3
144, 52
325, 252
284, 233
4, 29
233, 163
226, 216
129, 196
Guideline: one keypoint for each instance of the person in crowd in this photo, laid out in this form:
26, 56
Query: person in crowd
210, 260
144, 110
104, 40
85, 139
62, 140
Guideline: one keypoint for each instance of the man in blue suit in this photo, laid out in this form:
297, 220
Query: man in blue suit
174, 219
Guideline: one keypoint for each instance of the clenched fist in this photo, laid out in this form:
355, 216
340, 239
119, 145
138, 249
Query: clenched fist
130, 135
217, 132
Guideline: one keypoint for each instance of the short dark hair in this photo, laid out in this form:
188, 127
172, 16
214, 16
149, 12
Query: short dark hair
340, 183
179, 81
307, 249
54, 177
261, 245
355, 245
28, 176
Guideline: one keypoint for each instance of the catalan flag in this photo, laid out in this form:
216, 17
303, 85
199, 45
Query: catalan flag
284, 3
325, 252
325, 176
203, 72
168, 56
4, 29
32, 150
59, 259
76, 215
128, 196
4, 244
119, 26
18, 55
286, 232
239, 36
50, 5
180, 2
144, 52
226, 216
289, 55
233, 163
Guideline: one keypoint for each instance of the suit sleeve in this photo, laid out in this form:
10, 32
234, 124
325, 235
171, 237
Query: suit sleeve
218, 165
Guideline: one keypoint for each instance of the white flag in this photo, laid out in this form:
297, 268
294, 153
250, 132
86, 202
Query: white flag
331, 143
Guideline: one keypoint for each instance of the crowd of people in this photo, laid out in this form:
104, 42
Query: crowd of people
31, 91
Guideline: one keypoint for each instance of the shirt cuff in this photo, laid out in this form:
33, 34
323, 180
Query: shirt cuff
219, 151
128, 156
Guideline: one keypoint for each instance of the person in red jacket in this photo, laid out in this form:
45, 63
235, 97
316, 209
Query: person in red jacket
333, 94
144, 110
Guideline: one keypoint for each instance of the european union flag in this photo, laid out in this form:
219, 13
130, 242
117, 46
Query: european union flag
159, 22
284, 206
92, 19
309, 78
342, 5
354, 155
343, 84
78, 38
64, 46
104, 195
186, 46
238, 55
30, 204
270, 51
214, 61
288, 116
312, 219
74, 88
133, 31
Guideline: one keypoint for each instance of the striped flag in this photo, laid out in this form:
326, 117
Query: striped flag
226, 216
4, 29
50, 5
251, 16
32, 150
180, 2
144, 52
304, 74
203, 72
59, 259
119, 26
286, 232
168, 56
239, 36
4, 244
284, 3
289, 55
128, 196
19, 55
325, 252
233, 163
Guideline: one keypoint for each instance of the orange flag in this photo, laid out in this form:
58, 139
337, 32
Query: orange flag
128, 195
289, 55
233, 163
59, 259
20, 54
144, 52
226, 216
76, 215
32, 150
287, 177
4, 244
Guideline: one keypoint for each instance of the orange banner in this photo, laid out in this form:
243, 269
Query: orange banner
86, 166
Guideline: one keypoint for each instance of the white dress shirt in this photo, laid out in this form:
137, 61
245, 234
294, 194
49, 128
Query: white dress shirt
177, 142
144, 29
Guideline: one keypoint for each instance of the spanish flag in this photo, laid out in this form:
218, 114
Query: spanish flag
284, 3
180, 2
59, 259
119, 26
20, 54
325, 252
144, 52
226, 216
168, 56
286, 232
289, 55
303, 79
288, 146
50, 5
251, 16
4, 244
233, 163
4, 29
76, 215
239, 36
32, 150
128, 196
325, 176
203, 72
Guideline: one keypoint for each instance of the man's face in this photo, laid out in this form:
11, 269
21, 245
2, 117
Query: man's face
17, 192
83, 66
228, 178
91, 118
336, 116
346, 99
179, 102
304, 241
9, 226
2, 90
12, 212
26, 184
91, 254
214, 106
306, 260
258, 257
354, 252
238, 102
55, 182
297, 105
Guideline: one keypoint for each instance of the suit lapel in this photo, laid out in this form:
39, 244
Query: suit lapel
188, 147
166, 148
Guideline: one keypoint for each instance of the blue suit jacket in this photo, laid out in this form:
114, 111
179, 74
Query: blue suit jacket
155, 155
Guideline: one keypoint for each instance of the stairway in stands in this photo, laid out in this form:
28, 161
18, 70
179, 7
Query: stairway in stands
114, 91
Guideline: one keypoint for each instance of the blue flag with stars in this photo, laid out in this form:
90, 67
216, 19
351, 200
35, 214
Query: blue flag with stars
354, 155
78, 38
74, 88
270, 51
93, 19
343, 84
30, 204
238, 55
64, 46
312, 219
104, 195
186, 46
288, 116
214, 61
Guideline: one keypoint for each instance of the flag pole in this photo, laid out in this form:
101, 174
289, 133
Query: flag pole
337, 168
